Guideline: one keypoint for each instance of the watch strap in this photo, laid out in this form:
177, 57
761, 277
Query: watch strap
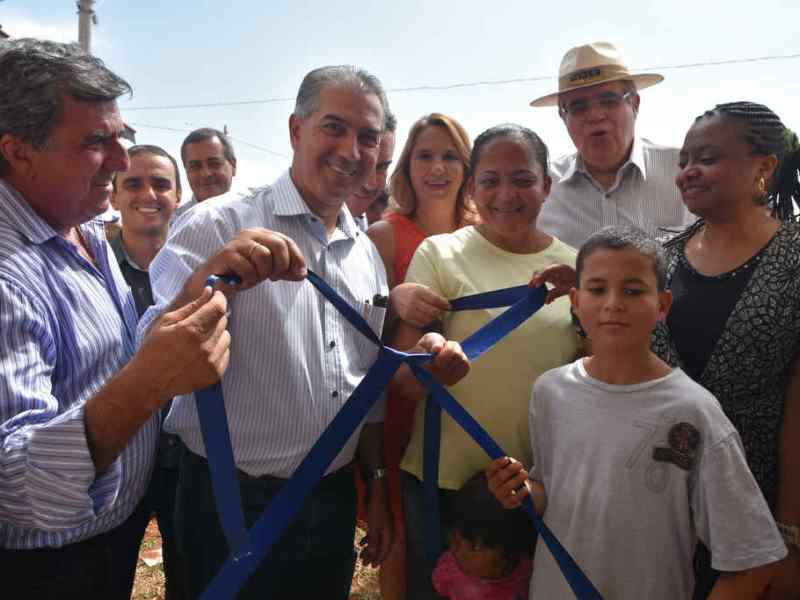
790, 534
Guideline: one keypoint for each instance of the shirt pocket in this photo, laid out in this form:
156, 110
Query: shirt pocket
365, 349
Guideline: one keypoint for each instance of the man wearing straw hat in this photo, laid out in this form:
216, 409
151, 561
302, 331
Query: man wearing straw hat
614, 178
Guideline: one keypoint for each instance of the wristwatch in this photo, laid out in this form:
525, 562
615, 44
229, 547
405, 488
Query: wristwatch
790, 534
379, 473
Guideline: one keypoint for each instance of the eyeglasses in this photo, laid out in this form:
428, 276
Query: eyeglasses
581, 106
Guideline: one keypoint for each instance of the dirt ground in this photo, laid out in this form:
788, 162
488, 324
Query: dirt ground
149, 584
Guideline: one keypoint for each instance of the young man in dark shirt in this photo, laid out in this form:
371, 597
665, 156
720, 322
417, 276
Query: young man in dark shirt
147, 195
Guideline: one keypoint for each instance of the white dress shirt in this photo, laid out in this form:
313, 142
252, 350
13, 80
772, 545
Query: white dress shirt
294, 359
644, 195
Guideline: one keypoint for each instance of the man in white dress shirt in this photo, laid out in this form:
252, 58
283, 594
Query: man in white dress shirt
614, 178
294, 359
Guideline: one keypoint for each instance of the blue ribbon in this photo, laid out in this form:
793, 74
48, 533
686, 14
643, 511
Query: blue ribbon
524, 302
248, 548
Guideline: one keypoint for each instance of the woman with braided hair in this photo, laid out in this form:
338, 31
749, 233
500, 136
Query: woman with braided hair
734, 325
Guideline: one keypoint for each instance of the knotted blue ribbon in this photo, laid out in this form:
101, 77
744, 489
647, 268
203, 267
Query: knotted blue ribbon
248, 548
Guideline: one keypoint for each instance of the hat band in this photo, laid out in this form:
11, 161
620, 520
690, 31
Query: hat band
590, 76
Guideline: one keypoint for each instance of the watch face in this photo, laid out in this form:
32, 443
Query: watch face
379, 473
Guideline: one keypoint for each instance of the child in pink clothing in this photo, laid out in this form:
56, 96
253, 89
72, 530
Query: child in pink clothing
490, 548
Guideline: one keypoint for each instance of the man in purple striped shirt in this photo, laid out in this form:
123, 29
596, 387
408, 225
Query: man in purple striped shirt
79, 411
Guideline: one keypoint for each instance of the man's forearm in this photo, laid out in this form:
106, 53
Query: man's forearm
369, 453
114, 415
369, 456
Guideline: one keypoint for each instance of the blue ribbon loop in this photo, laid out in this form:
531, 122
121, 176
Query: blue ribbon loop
224, 481
248, 548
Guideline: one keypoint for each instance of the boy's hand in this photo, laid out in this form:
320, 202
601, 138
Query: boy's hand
560, 277
417, 304
508, 481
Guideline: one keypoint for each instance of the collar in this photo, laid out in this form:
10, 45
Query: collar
121, 254
15, 210
636, 159
289, 202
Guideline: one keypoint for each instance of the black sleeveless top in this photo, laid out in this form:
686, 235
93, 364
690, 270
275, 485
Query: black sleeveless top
745, 362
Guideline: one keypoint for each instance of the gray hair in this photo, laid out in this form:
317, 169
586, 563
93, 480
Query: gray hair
34, 77
629, 85
389, 120
339, 76
209, 133
624, 238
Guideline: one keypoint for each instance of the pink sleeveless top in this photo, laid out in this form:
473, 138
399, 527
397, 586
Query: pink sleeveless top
407, 237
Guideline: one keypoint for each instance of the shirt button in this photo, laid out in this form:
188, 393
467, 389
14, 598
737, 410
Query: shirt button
332, 344
335, 394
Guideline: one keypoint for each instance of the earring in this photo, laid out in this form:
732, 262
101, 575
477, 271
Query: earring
761, 186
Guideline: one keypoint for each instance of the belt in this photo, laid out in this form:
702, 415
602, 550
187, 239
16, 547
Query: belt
346, 470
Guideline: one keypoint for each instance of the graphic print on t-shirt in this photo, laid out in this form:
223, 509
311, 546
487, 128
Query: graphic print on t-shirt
683, 442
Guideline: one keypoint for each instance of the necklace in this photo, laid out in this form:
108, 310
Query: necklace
746, 266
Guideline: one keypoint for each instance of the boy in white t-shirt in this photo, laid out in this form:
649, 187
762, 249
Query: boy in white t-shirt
637, 460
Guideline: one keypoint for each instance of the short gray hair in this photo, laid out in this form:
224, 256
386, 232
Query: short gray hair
339, 76
209, 133
35, 75
389, 120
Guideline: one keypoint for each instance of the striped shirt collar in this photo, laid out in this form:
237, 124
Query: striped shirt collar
636, 159
287, 201
16, 211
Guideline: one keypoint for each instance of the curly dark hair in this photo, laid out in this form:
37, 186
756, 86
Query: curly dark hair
478, 516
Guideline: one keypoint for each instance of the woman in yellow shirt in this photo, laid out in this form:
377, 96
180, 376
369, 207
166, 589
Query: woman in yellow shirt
508, 182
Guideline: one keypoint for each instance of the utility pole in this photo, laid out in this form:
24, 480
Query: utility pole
86, 18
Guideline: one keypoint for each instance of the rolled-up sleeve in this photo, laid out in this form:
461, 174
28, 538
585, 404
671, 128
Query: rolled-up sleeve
47, 476
195, 236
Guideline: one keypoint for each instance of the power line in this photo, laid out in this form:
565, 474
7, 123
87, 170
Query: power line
238, 140
467, 84
211, 104
257, 147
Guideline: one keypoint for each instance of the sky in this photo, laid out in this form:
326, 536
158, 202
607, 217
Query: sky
210, 52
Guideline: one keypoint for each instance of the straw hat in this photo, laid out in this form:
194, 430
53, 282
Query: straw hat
591, 64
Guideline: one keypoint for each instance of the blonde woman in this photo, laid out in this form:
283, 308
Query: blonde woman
427, 198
